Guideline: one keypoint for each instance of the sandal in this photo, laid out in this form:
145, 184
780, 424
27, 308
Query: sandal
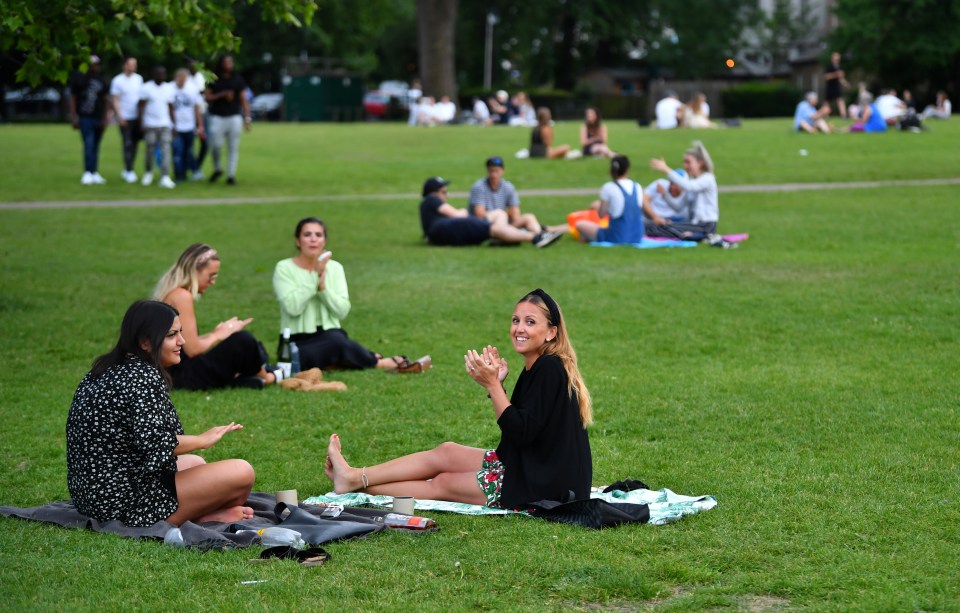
400, 361
314, 556
422, 365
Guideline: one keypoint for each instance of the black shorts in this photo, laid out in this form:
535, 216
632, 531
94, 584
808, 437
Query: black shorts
169, 481
459, 231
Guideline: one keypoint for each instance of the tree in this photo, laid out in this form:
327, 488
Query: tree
436, 35
54, 37
902, 43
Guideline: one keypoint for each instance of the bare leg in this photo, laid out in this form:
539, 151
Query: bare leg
188, 460
508, 234
214, 492
447, 472
588, 231
557, 152
528, 221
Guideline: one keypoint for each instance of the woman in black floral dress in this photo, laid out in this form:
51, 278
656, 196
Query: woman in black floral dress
127, 456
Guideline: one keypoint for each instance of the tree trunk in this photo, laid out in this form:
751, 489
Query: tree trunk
436, 30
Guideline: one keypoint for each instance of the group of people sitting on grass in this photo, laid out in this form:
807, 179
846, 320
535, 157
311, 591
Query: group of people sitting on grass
129, 459
311, 289
682, 206
888, 110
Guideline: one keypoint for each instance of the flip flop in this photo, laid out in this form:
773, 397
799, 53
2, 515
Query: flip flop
422, 365
314, 556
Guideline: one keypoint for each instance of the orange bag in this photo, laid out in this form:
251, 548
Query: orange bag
587, 215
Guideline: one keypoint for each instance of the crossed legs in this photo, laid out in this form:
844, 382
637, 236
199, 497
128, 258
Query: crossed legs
446, 472
212, 492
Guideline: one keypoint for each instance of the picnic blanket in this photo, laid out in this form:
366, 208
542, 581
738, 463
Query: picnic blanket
658, 242
664, 506
317, 525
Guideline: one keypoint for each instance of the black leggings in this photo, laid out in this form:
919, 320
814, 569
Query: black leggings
239, 355
682, 230
130, 136
325, 348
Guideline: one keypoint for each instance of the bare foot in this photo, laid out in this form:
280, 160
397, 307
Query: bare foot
227, 515
345, 479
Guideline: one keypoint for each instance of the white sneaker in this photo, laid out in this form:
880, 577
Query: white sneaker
129, 176
98, 178
86, 179
147, 178
167, 182
197, 176
546, 238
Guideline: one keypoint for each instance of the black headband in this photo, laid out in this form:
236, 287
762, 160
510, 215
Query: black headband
550, 304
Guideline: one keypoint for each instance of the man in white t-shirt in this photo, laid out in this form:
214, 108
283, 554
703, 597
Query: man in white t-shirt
665, 202
188, 123
669, 111
125, 92
891, 108
156, 119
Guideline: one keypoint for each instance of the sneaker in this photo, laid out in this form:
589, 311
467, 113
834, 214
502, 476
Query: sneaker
129, 176
715, 240
147, 178
231, 181
98, 178
197, 176
546, 238
86, 179
216, 175
167, 182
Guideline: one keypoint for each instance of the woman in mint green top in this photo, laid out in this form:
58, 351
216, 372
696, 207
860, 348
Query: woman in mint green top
313, 296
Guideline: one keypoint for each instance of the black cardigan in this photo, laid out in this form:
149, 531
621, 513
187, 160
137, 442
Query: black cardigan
543, 444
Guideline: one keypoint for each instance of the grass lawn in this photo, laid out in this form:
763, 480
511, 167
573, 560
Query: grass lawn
807, 380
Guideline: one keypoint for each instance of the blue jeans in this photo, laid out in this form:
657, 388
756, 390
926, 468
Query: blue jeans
91, 131
183, 160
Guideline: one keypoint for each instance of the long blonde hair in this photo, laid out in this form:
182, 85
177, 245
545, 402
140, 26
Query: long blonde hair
560, 346
185, 272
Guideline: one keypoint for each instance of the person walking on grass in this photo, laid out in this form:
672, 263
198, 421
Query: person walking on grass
156, 118
128, 458
125, 93
229, 112
89, 113
544, 450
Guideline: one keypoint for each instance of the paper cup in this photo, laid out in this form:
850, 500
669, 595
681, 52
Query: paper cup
287, 496
403, 505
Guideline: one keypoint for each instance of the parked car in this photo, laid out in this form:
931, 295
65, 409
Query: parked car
267, 106
376, 103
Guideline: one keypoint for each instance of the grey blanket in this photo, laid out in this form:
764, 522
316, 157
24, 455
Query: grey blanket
310, 521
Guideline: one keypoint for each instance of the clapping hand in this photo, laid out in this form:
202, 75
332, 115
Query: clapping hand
212, 436
486, 368
225, 328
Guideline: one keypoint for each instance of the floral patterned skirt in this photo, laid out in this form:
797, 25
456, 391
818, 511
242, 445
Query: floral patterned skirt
490, 477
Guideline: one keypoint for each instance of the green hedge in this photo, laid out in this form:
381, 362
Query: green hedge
761, 100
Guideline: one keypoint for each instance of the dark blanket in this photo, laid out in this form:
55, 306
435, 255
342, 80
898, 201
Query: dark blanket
312, 522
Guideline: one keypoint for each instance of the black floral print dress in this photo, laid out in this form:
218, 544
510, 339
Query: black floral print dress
121, 433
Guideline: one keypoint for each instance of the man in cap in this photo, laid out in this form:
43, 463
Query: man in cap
495, 194
444, 224
89, 114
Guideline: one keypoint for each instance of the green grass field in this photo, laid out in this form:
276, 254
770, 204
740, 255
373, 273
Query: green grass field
807, 380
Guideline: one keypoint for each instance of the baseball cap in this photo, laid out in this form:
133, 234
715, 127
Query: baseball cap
680, 171
94, 59
495, 161
434, 184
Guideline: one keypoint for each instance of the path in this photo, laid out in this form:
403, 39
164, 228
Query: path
727, 189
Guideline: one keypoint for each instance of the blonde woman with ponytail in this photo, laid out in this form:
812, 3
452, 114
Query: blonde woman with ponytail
544, 450
228, 355
700, 184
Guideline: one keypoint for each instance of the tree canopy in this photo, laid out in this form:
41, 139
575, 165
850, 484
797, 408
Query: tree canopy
51, 38
902, 43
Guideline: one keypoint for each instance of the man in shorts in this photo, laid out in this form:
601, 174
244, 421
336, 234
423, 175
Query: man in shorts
494, 193
444, 224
